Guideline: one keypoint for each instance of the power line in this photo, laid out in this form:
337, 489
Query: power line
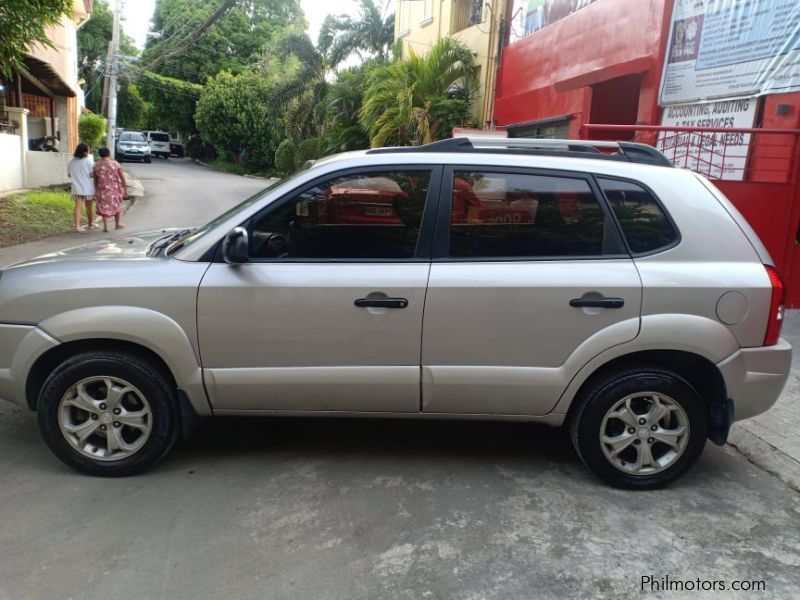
219, 13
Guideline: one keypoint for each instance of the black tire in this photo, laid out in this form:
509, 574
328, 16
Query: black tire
600, 396
148, 160
155, 386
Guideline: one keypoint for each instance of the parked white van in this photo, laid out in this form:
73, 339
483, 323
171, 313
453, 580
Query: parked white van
159, 143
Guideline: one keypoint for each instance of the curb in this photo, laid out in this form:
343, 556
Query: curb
766, 456
248, 175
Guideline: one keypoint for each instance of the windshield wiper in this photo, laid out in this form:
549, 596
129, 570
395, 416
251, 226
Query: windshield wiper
158, 246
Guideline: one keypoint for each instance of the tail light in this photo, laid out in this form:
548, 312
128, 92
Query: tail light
775, 307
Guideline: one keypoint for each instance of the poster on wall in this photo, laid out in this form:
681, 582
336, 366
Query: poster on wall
529, 16
720, 155
727, 48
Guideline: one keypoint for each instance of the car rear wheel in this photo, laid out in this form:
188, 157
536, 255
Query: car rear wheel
639, 429
108, 414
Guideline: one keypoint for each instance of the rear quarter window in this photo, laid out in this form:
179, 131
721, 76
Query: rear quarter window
643, 221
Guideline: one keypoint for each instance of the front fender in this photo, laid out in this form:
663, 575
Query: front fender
686, 333
148, 328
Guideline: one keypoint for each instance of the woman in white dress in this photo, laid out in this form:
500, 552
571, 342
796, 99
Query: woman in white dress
81, 169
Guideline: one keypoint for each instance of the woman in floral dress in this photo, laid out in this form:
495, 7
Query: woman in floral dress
110, 186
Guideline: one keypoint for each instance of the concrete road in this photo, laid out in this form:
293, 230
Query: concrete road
338, 509
351, 510
180, 193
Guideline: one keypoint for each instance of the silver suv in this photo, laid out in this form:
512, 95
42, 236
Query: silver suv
556, 282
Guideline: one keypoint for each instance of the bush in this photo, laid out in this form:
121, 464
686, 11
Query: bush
306, 150
242, 112
285, 156
91, 129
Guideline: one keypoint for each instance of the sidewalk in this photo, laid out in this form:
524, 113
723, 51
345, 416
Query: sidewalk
15, 254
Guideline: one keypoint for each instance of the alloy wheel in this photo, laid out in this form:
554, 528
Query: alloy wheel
105, 418
644, 433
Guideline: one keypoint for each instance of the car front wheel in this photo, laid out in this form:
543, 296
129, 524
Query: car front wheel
107, 413
639, 429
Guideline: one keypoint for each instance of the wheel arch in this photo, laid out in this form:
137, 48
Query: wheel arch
47, 362
136, 327
698, 371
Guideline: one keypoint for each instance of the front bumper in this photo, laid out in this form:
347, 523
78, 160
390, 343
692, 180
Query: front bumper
754, 377
20, 347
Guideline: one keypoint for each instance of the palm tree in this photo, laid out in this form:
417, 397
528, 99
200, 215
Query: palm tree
368, 35
340, 112
420, 99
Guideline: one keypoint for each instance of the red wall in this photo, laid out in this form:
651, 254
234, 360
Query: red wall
551, 72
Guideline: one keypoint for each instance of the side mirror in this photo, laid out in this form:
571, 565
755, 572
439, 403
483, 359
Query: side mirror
236, 246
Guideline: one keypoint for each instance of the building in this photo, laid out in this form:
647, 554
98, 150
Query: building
43, 101
713, 84
419, 24
568, 63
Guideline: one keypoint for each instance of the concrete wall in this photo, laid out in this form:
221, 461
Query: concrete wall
47, 168
10, 162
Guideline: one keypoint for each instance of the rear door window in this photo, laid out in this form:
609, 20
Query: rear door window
519, 215
644, 223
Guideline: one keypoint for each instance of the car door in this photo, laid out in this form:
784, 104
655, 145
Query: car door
327, 314
528, 268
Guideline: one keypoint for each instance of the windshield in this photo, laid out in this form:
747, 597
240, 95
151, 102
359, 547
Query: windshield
159, 137
195, 234
132, 137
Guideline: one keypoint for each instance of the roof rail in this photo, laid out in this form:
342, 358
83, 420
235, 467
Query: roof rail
625, 151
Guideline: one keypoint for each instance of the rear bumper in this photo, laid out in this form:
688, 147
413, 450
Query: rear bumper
754, 377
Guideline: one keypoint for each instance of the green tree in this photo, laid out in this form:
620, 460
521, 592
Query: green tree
284, 157
312, 67
172, 102
132, 110
22, 23
306, 150
91, 129
340, 113
233, 44
93, 39
420, 99
368, 35
241, 113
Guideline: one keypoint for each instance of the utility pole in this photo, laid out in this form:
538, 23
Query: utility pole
112, 81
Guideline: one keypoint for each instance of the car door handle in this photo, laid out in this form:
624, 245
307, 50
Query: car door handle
597, 302
381, 302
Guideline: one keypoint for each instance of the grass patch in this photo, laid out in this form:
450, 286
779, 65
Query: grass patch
34, 215
226, 167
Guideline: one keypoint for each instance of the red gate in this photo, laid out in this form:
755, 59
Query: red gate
758, 169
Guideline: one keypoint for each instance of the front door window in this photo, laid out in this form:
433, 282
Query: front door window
372, 216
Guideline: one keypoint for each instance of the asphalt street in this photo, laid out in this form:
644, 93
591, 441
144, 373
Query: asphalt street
362, 509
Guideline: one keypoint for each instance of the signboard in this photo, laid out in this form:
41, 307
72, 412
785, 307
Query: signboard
529, 16
717, 155
728, 48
